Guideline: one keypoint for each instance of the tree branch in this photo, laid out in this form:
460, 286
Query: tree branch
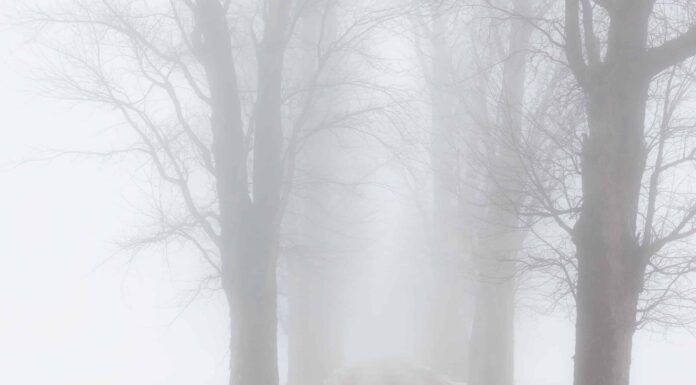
573, 46
672, 52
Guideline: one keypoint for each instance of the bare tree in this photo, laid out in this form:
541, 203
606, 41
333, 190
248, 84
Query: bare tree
441, 48
180, 58
317, 227
615, 72
501, 235
222, 121
249, 217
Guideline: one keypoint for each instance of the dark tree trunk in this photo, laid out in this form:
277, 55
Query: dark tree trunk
610, 263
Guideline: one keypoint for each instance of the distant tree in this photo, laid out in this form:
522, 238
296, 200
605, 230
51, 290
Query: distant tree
440, 49
329, 111
501, 233
313, 325
477, 81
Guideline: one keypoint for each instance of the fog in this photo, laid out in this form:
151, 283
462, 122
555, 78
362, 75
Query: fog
310, 192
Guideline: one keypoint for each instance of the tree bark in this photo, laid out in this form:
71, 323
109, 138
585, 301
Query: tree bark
249, 223
610, 263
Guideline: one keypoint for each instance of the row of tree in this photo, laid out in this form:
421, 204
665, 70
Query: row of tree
547, 147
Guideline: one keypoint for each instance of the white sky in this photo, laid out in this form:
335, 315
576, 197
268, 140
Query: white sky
66, 318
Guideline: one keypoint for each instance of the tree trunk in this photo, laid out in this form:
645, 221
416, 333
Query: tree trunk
448, 340
314, 339
447, 343
492, 341
314, 327
492, 361
610, 264
253, 302
492, 355
249, 228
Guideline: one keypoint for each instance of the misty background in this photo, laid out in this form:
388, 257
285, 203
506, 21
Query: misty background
76, 310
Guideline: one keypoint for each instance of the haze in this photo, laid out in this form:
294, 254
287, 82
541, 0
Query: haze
309, 192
